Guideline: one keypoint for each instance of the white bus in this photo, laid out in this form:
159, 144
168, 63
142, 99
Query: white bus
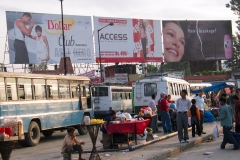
111, 97
196, 86
145, 87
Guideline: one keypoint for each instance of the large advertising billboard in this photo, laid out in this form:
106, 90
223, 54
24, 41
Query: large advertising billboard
197, 40
36, 38
128, 40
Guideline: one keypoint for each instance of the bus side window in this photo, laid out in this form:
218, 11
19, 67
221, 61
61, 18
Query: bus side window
130, 95
39, 87
52, 89
64, 91
25, 89
11, 89
2, 90
114, 96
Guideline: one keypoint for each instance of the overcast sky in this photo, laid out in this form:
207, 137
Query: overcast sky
143, 9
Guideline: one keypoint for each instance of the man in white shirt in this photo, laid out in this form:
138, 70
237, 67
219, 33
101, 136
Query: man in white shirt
152, 105
183, 104
200, 103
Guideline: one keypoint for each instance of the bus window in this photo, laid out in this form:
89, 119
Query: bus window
170, 88
64, 91
52, 89
75, 92
39, 88
130, 95
150, 88
114, 97
83, 91
100, 91
24, 89
2, 90
11, 89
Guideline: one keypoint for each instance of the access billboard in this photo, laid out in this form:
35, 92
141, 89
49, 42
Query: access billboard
128, 40
36, 38
196, 40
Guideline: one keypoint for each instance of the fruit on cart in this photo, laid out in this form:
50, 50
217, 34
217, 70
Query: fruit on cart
96, 121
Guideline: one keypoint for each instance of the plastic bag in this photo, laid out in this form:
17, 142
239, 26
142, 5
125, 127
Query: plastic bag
189, 121
215, 131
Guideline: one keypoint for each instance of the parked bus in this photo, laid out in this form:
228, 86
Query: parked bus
45, 103
145, 87
196, 86
111, 97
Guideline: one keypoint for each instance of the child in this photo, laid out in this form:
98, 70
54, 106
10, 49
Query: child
194, 113
68, 142
42, 45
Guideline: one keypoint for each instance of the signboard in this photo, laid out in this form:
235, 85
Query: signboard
36, 38
121, 78
128, 40
109, 79
88, 74
197, 40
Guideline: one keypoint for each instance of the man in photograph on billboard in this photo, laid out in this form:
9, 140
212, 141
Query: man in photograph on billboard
42, 46
20, 31
173, 41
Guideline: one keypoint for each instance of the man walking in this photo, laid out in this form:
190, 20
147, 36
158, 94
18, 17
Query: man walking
163, 106
152, 105
200, 103
237, 113
226, 118
183, 104
20, 31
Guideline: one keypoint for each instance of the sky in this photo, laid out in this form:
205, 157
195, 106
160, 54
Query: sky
142, 9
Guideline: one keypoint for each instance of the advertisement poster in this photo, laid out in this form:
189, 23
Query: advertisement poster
36, 38
197, 40
128, 40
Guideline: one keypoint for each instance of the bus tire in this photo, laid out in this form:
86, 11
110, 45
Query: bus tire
32, 137
47, 133
82, 130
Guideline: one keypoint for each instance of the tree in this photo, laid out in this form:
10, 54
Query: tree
234, 63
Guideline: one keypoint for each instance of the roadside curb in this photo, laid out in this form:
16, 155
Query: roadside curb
182, 147
132, 148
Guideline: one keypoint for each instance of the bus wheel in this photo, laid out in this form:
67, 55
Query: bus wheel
33, 136
47, 133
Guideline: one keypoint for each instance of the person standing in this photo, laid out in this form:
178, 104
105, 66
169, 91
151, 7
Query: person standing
237, 113
194, 113
200, 103
152, 105
226, 117
166, 120
183, 104
20, 31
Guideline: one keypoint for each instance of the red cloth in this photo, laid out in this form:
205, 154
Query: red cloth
163, 104
128, 127
169, 101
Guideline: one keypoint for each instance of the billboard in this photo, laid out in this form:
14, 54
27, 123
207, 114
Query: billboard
36, 38
196, 40
128, 40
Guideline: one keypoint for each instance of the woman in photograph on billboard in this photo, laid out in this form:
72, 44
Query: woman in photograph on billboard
173, 41
42, 45
143, 34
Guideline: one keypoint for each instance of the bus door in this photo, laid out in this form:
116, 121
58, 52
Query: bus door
101, 100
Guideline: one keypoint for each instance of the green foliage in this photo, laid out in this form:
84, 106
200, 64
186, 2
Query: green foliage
234, 63
198, 73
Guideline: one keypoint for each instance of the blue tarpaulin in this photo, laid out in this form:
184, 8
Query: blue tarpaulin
215, 87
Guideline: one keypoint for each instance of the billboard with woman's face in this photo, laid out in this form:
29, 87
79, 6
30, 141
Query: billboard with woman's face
196, 40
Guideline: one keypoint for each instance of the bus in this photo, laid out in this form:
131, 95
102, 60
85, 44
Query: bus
196, 86
44, 103
145, 87
107, 97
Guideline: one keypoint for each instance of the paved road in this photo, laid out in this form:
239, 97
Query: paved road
197, 152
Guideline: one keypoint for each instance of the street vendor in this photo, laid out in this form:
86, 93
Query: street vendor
112, 116
68, 142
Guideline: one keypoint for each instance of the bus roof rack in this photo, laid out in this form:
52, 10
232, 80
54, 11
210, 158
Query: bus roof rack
165, 74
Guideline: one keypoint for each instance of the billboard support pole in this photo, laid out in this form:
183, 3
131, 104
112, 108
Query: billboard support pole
99, 50
63, 37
